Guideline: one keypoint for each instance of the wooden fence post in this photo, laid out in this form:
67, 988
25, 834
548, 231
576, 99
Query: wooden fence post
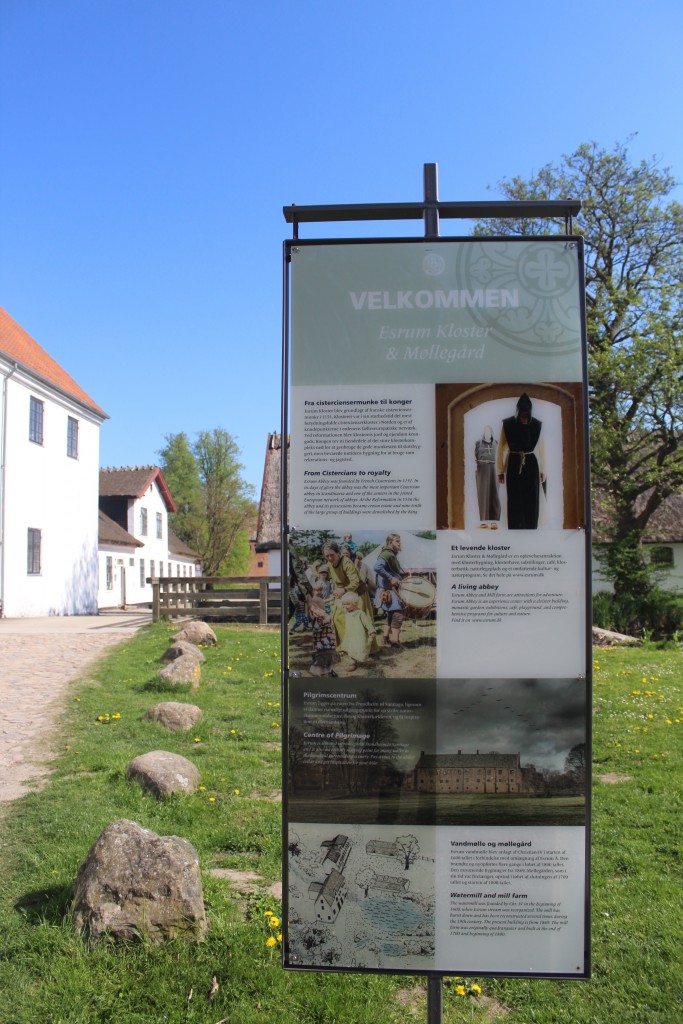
155, 600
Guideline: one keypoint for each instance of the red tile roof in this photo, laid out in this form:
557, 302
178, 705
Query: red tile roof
20, 347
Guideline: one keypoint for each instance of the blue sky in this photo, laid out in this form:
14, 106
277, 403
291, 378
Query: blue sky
147, 148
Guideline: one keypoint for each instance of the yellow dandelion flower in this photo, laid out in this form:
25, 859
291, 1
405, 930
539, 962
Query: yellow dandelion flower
232, 732
268, 913
229, 668
201, 787
212, 799
460, 990
279, 936
270, 942
68, 747
236, 792
274, 922
197, 739
476, 989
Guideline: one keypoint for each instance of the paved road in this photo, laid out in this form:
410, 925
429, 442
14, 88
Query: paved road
38, 659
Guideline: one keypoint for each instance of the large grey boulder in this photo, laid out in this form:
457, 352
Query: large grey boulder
180, 648
175, 716
162, 773
607, 638
183, 670
136, 884
197, 633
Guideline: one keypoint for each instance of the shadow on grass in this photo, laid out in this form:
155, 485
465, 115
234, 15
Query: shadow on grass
45, 906
159, 686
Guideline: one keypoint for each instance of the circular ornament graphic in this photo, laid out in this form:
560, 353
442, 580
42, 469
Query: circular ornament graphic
433, 264
537, 285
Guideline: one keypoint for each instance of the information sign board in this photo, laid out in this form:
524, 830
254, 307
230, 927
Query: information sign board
438, 731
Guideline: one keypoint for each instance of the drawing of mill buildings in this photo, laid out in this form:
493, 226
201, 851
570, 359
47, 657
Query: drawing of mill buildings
363, 895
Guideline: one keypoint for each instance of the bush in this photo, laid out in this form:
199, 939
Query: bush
658, 614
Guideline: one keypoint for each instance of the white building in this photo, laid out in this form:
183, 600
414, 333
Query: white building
135, 540
662, 542
49, 446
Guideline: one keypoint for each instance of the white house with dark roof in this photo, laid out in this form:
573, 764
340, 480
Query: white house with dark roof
135, 540
662, 540
50, 446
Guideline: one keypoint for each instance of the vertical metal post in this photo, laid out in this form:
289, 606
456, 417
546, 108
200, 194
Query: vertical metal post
431, 219
434, 999
430, 177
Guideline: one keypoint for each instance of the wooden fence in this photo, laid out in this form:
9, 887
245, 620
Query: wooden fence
239, 598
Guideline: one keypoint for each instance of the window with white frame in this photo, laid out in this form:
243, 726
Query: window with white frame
110, 572
72, 437
160, 520
35, 423
143, 522
33, 551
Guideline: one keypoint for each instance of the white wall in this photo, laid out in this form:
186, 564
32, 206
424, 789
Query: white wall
128, 560
47, 490
125, 576
668, 579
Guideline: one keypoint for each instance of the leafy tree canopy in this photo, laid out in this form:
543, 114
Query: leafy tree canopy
633, 233
215, 505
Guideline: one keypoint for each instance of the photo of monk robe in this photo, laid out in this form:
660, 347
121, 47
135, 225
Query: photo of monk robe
520, 465
485, 450
510, 456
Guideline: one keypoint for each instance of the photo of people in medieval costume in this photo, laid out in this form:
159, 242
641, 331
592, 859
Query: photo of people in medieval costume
362, 603
510, 456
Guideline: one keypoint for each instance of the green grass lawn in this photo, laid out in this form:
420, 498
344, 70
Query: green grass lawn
49, 975
441, 809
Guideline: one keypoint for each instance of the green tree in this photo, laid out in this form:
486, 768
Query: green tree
215, 505
180, 470
633, 234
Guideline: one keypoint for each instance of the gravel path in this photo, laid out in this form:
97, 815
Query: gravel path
38, 660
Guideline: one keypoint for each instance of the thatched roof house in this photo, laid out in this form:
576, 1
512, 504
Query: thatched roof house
268, 523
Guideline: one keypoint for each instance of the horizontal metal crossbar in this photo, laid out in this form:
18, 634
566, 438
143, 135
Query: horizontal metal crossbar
415, 211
